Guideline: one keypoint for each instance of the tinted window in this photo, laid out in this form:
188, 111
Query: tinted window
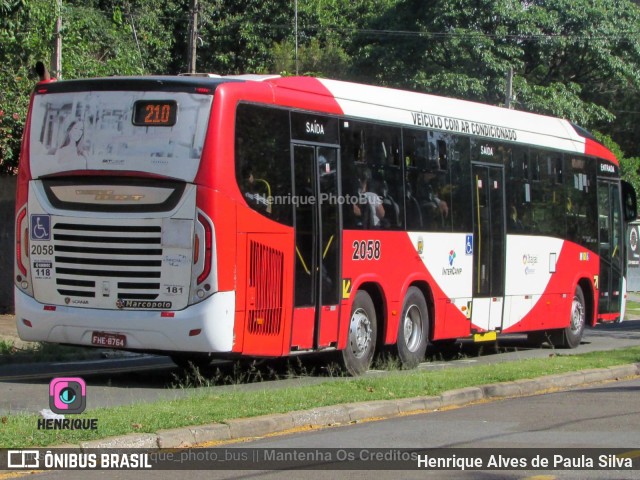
371, 176
547, 193
581, 201
518, 191
437, 181
263, 163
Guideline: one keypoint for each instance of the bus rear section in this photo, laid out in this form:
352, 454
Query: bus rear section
113, 248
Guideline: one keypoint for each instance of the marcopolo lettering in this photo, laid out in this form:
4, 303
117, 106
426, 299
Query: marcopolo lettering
120, 303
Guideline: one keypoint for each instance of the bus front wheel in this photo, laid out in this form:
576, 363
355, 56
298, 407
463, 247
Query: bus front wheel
361, 343
413, 330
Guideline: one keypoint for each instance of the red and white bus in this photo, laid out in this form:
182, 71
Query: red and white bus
254, 216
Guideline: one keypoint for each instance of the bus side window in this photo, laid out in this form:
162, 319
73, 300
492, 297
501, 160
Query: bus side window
371, 176
263, 162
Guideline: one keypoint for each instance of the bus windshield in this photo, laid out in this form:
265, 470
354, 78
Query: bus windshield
116, 130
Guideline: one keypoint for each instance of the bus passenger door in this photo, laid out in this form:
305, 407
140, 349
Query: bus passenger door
489, 236
610, 250
317, 249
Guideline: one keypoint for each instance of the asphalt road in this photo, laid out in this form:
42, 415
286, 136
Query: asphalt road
148, 378
599, 417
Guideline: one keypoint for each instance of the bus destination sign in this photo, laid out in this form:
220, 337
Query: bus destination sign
155, 113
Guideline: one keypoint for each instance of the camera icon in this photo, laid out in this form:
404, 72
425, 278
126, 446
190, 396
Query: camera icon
67, 395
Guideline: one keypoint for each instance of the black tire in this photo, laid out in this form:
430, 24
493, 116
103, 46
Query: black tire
571, 336
413, 329
361, 344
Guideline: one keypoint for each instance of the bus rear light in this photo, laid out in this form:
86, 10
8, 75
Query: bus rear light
203, 90
21, 242
27, 323
195, 332
167, 314
208, 248
196, 249
49, 308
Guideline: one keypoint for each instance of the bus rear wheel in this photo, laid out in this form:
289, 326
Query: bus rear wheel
413, 330
571, 336
361, 343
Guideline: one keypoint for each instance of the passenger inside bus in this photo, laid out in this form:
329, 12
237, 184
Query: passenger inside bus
513, 222
434, 209
369, 209
255, 199
392, 218
414, 215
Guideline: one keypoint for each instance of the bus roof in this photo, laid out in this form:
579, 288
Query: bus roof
379, 103
150, 83
413, 108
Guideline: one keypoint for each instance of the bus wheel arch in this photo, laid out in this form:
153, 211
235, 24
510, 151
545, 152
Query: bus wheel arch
589, 299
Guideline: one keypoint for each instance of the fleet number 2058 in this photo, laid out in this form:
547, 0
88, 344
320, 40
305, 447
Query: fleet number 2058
41, 249
366, 250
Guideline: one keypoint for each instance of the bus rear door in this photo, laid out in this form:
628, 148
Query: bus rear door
317, 247
489, 245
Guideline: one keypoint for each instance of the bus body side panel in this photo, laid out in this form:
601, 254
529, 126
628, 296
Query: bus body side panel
398, 266
541, 282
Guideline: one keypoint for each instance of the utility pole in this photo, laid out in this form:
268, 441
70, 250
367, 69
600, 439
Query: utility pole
193, 36
56, 61
509, 93
296, 33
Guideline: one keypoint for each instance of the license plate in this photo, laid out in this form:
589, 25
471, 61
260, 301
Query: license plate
108, 340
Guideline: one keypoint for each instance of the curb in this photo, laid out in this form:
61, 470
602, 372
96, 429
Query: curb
354, 412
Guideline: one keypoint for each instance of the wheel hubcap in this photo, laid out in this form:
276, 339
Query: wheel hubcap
412, 325
360, 333
577, 315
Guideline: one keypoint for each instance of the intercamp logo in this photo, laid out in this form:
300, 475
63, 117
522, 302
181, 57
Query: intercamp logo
452, 270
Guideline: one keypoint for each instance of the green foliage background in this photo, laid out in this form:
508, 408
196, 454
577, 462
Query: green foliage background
577, 59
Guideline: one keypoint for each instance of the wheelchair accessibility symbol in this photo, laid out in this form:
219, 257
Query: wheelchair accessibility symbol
40, 227
468, 245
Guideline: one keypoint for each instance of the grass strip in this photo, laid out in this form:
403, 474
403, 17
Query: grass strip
633, 307
208, 405
43, 352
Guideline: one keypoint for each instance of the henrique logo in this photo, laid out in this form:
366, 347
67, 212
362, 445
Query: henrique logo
67, 395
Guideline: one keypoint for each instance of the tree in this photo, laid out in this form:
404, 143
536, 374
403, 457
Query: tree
98, 40
576, 59
20, 50
629, 166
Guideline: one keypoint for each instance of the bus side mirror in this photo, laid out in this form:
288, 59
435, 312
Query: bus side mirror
629, 203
